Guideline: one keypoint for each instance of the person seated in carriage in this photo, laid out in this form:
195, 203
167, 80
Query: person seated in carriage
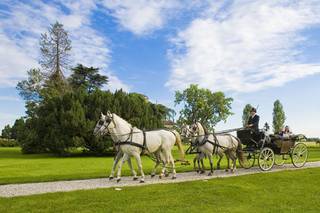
286, 133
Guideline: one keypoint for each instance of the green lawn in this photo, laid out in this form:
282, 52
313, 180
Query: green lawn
288, 191
18, 168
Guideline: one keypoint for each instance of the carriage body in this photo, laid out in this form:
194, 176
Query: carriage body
271, 149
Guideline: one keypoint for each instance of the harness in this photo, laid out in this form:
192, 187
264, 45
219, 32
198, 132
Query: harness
214, 143
129, 141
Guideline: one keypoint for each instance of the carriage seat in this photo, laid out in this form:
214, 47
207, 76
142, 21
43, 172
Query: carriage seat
250, 138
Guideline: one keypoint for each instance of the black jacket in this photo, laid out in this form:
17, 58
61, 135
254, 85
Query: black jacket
255, 121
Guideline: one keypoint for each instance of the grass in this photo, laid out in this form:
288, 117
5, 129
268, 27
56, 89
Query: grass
18, 168
288, 191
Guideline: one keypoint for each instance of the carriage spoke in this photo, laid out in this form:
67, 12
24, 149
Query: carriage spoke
299, 155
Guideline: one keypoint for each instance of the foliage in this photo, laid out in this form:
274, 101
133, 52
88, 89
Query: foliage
87, 78
246, 114
17, 127
278, 117
6, 132
4, 142
54, 48
66, 122
202, 105
62, 112
30, 89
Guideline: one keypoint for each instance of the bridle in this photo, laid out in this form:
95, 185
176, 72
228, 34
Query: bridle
106, 124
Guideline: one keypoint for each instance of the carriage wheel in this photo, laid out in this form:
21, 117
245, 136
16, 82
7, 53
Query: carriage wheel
248, 161
279, 160
266, 159
299, 155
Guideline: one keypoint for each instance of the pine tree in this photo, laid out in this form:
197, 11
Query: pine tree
54, 48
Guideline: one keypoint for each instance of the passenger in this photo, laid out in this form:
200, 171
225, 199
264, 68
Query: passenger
286, 133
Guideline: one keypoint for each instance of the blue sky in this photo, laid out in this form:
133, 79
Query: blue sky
255, 51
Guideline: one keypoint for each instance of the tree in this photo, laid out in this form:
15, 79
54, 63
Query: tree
55, 47
17, 128
202, 105
30, 89
246, 114
87, 78
6, 132
278, 116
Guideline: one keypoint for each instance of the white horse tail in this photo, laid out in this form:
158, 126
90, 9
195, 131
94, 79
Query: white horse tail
179, 144
239, 150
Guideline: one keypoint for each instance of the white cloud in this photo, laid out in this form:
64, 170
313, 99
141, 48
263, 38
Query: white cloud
141, 16
22, 24
246, 46
115, 83
10, 98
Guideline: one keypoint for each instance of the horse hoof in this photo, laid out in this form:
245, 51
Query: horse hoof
141, 181
166, 175
152, 175
198, 171
227, 170
202, 172
174, 177
110, 178
210, 174
160, 176
135, 178
118, 180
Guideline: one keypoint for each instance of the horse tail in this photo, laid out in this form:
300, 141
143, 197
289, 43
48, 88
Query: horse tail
180, 146
239, 150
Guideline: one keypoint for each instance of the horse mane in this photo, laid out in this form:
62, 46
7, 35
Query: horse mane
204, 129
206, 132
122, 120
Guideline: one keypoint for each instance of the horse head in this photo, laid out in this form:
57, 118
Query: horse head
105, 123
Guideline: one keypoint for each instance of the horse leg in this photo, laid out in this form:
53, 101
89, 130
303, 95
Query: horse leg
131, 169
198, 161
138, 159
194, 163
124, 158
234, 160
174, 174
211, 165
158, 161
220, 158
228, 160
165, 160
115, 162
202, 164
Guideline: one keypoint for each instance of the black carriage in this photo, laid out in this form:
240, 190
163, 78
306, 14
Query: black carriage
271, 149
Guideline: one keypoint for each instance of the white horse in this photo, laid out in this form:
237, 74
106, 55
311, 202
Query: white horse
209, 144
132, 141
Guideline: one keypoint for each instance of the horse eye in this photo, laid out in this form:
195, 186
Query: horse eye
101, 122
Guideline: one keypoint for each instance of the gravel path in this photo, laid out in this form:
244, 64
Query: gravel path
13, 190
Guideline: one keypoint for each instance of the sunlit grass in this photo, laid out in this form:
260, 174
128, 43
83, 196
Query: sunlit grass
18, 168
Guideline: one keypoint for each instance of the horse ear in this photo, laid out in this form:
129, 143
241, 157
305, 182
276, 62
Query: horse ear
102, 115
109, 113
